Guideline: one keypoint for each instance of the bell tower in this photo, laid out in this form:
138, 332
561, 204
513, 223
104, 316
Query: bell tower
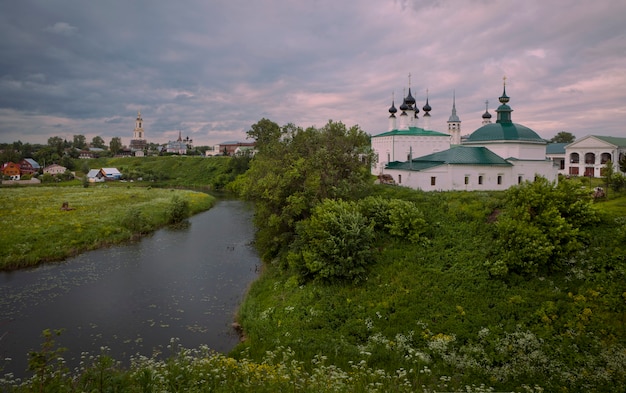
138, 134
138, 144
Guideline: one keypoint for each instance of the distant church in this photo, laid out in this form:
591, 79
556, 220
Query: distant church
496, 156
138, 144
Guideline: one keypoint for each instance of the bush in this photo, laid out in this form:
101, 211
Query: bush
334, 243
399, 218
135, 221
541, 227
177, 211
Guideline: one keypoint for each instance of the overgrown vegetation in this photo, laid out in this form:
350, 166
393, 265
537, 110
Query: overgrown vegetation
39, 229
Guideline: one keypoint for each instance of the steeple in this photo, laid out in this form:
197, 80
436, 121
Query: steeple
393, 111
427, 110
454, 123
486, 115
504, 111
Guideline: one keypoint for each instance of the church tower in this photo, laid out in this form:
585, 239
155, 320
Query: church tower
138, 134
138, 143
454, 124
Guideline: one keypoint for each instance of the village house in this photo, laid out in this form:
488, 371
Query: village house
29, 166
55, 169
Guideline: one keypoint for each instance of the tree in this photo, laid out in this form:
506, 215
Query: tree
563, 137
335, 243
608, 172
80, 142
57, 143
115, 145
264, 132
98, 142
296, 169
540, 227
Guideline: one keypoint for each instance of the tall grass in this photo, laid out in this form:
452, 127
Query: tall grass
36, 229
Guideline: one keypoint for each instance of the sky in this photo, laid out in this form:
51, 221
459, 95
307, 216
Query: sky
210, 69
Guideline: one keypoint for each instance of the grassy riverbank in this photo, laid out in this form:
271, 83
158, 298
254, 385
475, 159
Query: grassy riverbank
36, 229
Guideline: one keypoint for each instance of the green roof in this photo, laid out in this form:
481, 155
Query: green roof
456, 155
556, 148
412, 131
505, 131
620, 142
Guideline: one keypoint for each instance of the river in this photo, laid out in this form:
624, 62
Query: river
184, 284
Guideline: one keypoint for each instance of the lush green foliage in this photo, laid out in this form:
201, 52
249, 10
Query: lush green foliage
428, 315
37, 229
542, 225
432, 311
334, 243
295, 169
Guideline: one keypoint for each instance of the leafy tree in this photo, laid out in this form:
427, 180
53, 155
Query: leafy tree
295, 169
542, 224
115, 146
57, 143
563, 137
98, 142
80, 142
334, 243
10, 155
265, 132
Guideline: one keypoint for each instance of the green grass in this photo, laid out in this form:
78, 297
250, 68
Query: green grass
436, 306
428, 318
36, 229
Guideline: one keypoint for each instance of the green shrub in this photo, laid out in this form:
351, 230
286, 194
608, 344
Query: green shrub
541, 226
135, 221
177, 210
334, 243
399, 218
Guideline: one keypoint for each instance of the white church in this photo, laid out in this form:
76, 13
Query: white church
494, 157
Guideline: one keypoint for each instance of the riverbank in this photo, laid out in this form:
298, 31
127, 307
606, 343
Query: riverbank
45, 224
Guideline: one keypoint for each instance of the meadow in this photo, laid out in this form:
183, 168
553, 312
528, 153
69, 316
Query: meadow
36, 229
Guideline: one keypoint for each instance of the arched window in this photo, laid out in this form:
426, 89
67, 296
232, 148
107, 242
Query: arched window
590, 158
574, 158
605, 157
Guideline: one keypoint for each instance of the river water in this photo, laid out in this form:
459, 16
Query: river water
184, 284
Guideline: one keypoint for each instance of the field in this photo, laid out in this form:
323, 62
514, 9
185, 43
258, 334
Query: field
37, 229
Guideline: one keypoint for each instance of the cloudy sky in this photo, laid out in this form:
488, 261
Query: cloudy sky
211, 69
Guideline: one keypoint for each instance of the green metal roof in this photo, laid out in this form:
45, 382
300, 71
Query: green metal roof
619, 142
506, 131
456, 155
412, 131
556, 148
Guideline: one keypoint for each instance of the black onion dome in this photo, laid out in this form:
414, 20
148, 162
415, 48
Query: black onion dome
393, 109
486, 115
427, 107
409, 98
404, 106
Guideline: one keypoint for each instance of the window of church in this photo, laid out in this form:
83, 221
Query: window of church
480, 179
433, 180
466, 180
499, 179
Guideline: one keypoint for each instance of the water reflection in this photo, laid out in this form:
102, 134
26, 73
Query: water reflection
184, 283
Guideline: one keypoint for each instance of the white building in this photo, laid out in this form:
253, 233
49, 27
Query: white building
587, 156
494, 157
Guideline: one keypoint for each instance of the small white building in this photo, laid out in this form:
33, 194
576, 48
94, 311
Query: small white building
587, 156
55, 169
